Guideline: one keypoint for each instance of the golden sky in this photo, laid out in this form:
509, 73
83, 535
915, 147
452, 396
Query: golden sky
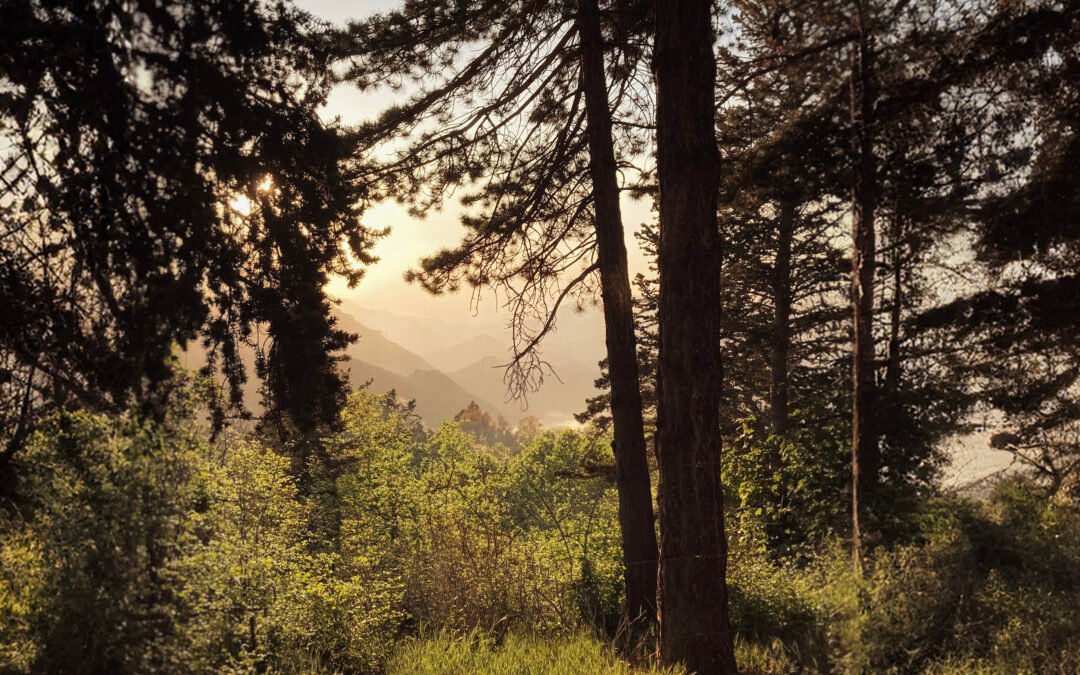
411, 238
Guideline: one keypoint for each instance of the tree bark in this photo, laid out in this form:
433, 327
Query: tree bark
892, 368
693, 601
864, 436
631, 457
781, 333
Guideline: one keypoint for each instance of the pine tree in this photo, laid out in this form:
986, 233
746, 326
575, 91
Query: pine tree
168, 179
527, 128
695, 628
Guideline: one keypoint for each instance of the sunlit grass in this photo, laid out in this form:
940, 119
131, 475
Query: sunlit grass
515, 655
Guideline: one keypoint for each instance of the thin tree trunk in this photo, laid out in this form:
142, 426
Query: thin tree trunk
892, 368
19, 436
693, 602
781, 333
864, 440
631, 456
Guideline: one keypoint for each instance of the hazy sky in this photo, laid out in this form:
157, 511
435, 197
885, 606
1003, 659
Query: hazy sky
410, 239
383, 287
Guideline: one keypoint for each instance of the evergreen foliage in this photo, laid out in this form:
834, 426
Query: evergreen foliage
167, 179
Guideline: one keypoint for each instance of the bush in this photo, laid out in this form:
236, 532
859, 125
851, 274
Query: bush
251, 592
106, 500
476, 538
140, 547
984, 587
776, 621
148, 550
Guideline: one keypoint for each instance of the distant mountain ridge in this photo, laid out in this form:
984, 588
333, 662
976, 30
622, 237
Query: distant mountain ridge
374, 348
465, 365
473, 359
383, 365
438, 398
472, 351
564, 391
416, 333
468, 352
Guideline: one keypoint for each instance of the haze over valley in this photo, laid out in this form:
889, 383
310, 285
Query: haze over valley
444, 365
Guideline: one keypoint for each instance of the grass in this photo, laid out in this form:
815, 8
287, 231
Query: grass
516, 654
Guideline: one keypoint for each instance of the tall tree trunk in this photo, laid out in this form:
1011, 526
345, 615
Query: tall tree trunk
693, 602
864, 435
631, 457
781, 328
892, 368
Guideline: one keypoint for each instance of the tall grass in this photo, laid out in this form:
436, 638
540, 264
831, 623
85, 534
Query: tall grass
516, 654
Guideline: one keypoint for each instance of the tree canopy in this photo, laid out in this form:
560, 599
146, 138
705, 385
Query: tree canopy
166, 180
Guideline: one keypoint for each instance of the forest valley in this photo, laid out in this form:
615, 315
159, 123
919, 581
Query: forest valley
865, 253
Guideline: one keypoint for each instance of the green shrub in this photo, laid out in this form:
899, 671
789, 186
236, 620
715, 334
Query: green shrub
776, 622
990, 584
477, 539
148, 550
22, 588
143, 547
252, 593
105, 500
982, 587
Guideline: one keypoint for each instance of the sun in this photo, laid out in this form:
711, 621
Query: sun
241, 204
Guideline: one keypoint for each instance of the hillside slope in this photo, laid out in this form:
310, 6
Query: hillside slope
438, 398
562, 395
375, 348
467, 352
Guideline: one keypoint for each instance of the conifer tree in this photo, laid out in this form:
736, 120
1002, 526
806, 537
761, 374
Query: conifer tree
531, 130
695, 628
166, 178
